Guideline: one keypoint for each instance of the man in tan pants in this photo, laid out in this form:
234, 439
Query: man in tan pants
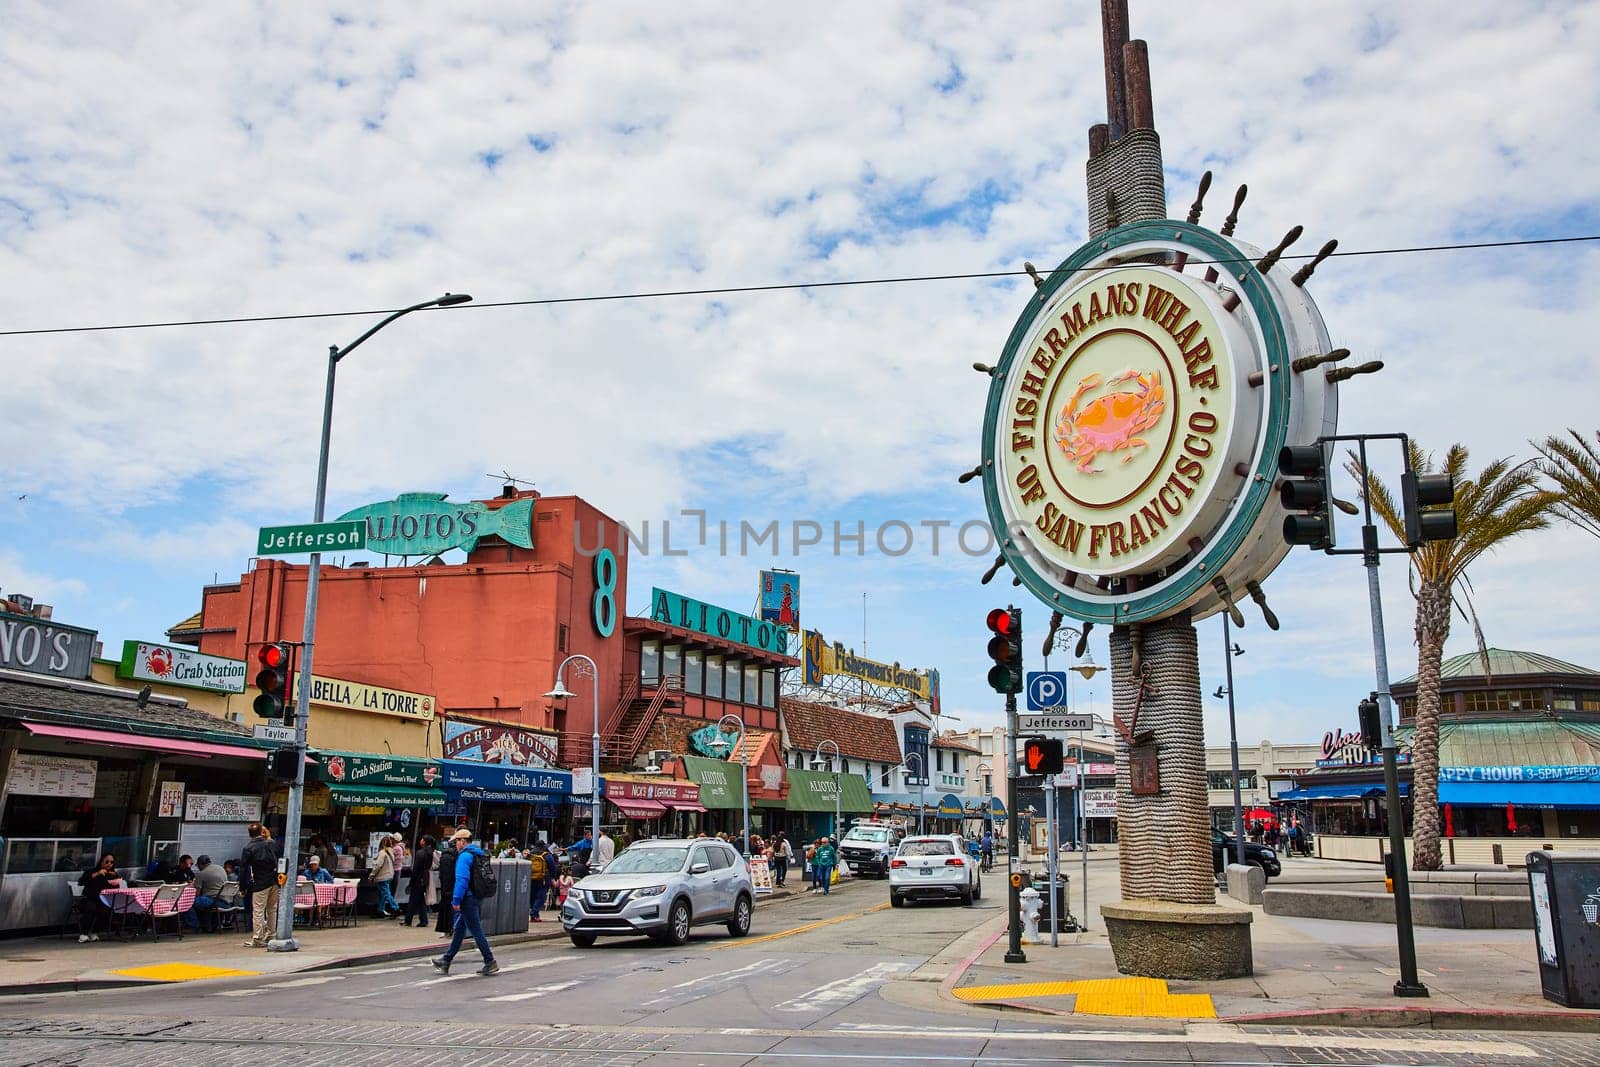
260, 862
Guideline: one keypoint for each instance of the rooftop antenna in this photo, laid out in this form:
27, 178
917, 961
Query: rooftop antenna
508, 484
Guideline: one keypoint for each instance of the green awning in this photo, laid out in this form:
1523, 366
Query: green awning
718, 781
387, 796
814, 791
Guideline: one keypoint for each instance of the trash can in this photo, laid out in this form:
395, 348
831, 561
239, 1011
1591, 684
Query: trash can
1566, 925
508, 907
1053, 904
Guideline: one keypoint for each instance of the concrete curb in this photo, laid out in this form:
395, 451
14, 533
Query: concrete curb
73, 985
1426, 1019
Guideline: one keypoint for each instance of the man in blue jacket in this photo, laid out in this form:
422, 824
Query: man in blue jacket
465, 904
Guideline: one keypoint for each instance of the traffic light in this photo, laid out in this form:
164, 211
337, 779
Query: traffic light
1371, 726
1418, 491
1043, 755
281, 764
1305, 489
1005, 649
273, 680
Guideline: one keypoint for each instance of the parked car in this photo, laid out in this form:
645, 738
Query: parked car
868, 846
662, 889
1222, 853
933, 866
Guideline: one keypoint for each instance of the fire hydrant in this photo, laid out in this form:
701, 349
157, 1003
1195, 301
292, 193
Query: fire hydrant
1030, 904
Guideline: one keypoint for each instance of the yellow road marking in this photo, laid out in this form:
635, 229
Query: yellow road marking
182, 972
819, 924
1134, 997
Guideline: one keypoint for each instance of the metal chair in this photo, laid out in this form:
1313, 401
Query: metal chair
167, 906
74, 915
227, 906
305, 902
125, 912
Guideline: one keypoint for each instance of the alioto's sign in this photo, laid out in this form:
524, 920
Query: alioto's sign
1129, 454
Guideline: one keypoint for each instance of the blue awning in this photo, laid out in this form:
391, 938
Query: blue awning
1522, 794
1352, 791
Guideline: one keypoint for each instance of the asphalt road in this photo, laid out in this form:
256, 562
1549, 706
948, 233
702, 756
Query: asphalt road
820, 978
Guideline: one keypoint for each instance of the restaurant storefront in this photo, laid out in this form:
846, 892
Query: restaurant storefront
652, 807
811, 803
510, 803
720, 793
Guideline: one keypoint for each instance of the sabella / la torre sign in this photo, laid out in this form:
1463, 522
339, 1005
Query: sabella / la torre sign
1131, 438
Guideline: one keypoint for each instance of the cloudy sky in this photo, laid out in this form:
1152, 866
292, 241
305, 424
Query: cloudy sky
225, 160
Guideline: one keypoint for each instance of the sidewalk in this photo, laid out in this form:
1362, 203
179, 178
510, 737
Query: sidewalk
1307, 972
49, 965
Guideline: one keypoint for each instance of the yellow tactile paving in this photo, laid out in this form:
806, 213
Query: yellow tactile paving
1133, 997
182, 972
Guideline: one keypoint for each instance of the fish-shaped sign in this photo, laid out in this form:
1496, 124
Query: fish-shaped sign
419, 524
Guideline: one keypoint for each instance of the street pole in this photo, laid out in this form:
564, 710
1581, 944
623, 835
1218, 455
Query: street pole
561, 692
1233, 745
744, 778
1083, 829
289, 863
1014, 953
1050, 862
1410, 984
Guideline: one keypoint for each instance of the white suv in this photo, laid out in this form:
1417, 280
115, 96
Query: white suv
934, 866
662, 888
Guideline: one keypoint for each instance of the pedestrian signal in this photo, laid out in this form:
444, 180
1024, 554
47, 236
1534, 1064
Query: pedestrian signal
1043, 755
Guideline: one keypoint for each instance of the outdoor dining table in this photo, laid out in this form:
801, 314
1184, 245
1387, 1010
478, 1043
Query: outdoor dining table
138, 900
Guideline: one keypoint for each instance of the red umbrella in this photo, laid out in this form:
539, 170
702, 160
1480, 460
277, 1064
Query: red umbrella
1260, 815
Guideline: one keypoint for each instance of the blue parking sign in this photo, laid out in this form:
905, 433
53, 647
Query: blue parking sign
1046, 690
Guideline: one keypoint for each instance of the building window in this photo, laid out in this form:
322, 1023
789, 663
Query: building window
1220, 780
844, 765
938, 760
694, 671
713, 675
731, 676
915, 746
988, 785
883, 780
650, 662
561, 637
955, 763
1577, 702
769, 688
671, 660
752, 684
1504, 700
1408, 707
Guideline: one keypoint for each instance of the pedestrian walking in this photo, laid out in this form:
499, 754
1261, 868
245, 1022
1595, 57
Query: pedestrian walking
552, 874
259, 864
824, 860
421, 883
538, 882
604, 850
382, 876
782, 856
444, 864
471, 888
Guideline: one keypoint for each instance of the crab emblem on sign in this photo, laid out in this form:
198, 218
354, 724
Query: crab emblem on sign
1112, 422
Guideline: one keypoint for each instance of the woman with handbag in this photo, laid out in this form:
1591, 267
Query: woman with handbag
382, 873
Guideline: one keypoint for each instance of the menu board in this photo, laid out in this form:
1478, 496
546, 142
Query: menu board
222, 807
51, 776
760, 875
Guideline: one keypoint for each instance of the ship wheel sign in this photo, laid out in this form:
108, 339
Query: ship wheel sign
1131, 437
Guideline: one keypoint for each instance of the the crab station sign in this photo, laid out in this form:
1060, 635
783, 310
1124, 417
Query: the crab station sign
1134, 423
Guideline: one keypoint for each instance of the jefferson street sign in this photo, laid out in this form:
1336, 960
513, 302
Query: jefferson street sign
311, 537
1036, 725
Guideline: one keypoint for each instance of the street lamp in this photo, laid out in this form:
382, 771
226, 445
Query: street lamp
922, 783
721, 745
302, 705
1230, 649
561, 692
838, 785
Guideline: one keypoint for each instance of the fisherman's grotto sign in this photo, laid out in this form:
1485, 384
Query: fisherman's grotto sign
1129, 453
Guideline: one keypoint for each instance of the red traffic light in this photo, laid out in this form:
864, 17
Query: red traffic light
275, 657
999, 621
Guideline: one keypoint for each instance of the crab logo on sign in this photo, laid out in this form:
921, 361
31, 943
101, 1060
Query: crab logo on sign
336, 768
1134, 422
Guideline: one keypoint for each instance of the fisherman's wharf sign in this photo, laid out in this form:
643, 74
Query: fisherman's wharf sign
1134, 422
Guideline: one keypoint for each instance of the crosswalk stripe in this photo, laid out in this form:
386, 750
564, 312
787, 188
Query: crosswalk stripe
713, 982
535, 992
843, 990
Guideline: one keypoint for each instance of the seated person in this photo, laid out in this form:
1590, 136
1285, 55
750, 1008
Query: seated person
183, 873
96, 914
208, 882
313, 871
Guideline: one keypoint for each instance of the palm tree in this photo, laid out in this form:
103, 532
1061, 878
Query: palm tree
1574, 467
1504, 500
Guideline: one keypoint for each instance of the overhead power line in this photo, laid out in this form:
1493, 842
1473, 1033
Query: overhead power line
732, 290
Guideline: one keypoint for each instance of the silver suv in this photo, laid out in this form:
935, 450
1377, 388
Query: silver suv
662, 888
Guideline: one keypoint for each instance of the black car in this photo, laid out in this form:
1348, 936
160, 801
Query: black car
1222, 852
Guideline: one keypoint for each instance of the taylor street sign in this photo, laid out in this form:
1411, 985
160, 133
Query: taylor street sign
311, 537
280, 734
1036, 725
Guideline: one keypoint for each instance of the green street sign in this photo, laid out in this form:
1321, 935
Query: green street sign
311, 537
